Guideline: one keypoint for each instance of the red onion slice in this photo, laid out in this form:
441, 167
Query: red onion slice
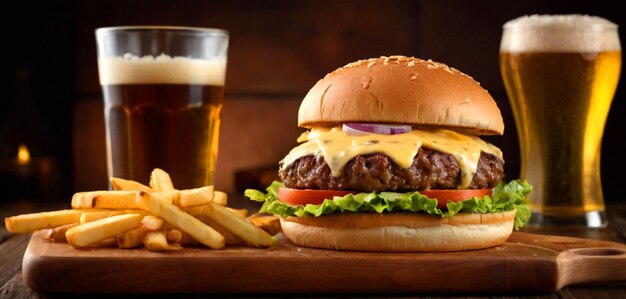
366, 128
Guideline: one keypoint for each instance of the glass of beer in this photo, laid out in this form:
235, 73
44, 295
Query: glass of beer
163, 91
560, 73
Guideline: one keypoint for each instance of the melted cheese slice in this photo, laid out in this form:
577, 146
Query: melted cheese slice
338, 148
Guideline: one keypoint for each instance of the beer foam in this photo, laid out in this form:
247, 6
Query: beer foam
162, 69
560, 33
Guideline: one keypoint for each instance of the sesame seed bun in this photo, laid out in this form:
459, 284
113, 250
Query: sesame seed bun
404, 90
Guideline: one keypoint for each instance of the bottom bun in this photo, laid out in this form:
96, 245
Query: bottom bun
399, 232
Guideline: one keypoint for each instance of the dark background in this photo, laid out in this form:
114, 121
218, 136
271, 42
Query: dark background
278, 50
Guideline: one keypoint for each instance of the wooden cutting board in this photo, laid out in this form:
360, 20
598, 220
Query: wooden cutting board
526, 263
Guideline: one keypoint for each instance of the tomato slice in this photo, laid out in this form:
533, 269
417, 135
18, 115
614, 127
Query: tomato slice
308, 196
316, 197
443, 196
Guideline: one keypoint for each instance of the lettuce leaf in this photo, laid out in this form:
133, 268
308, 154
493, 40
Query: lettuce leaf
506, 197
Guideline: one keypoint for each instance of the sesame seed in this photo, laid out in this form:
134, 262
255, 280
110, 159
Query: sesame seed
467, 76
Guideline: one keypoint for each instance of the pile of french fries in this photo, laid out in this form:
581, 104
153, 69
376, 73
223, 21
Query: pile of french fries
157, 217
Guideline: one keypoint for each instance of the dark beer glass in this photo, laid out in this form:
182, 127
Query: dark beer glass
163, 90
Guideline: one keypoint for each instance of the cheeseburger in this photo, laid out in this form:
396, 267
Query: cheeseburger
392, 162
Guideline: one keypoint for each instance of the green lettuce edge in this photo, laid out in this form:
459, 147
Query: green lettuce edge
505, 197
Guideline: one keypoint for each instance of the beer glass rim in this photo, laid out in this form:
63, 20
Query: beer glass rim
537, 24
205, 30
594, 27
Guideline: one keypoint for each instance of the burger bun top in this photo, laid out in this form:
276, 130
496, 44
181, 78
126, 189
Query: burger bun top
401, 90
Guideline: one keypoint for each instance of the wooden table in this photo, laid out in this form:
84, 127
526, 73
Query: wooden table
12, 249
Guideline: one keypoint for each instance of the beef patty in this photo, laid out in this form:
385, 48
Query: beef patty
377, 172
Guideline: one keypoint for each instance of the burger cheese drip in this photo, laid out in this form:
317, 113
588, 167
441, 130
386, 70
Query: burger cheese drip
338, 148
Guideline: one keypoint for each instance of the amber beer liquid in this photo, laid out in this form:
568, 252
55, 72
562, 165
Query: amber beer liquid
560, 82
162, 112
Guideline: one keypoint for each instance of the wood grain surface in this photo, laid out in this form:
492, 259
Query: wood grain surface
526, 263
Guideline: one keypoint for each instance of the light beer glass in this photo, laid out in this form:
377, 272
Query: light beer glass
163, 91
561, 73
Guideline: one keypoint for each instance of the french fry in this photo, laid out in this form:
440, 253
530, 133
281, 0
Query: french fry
185, 222
196, 197
220, 198
137, 211
194, 211
270, 224
176, 236
58, 233
108, 242
92, 232
170, 196
128, 185
105, 200
156, 241
152, 223
228, 236
35, 221
242, 213
130, 239
241, 228
93, 216
104, 243
187, 239
160, 180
